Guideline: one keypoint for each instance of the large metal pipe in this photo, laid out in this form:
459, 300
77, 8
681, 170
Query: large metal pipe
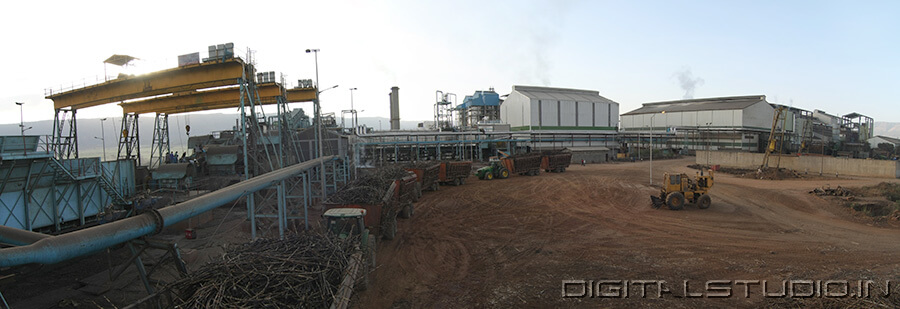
55, 249
18, 237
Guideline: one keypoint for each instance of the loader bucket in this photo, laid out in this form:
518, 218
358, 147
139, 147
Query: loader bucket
657, 202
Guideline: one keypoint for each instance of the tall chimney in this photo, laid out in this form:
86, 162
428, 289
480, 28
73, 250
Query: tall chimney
395, 108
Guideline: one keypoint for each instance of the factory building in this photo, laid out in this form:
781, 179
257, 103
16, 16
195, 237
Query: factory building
482, 107
558, 109
744, 124
729, 123
553, 118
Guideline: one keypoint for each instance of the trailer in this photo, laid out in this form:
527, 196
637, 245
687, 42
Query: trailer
524, 164
381, 217
454, 172
427, 175
556, 163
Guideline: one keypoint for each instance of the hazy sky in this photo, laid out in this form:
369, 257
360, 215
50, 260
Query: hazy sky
836, 56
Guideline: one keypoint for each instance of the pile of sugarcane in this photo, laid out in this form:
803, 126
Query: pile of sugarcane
301, 271
369, 188
421, 164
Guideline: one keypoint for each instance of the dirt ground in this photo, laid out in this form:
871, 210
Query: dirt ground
512, 242
505, 243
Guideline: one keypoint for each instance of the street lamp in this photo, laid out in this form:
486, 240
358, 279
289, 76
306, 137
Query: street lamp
103, 137
708, 141
651, 145
22, 126
318, 114
353, 111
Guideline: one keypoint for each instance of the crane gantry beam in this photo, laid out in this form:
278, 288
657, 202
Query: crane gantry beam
203, 100
180, 79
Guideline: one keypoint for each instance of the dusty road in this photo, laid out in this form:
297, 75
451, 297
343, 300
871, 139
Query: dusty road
512, 242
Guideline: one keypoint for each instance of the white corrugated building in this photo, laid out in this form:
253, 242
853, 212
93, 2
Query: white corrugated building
552, 118
559, 109
714, 123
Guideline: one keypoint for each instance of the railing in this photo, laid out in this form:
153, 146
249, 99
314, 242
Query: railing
78, 84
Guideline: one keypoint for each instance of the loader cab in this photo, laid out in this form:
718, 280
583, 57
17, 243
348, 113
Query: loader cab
345, 222
674, 182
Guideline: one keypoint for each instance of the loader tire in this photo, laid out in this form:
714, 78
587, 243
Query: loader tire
504, 173
489, 176
390, 229
675, 201
704, 201
370, 251
406, 212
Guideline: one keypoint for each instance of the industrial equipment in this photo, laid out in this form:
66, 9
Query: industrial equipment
350, 222
679, 188
502, 166
556, 163
454, 172
397, 201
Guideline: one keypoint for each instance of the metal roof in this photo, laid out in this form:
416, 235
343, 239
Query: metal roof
723, 103
891, 140
562, 94
345, 212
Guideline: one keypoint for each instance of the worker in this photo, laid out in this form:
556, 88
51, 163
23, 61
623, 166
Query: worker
582, 162
181, 160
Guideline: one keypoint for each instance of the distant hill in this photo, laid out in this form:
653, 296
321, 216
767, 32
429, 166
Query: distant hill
891, 129
89, 132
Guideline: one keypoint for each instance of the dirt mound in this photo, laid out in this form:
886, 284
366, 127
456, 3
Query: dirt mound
880, 200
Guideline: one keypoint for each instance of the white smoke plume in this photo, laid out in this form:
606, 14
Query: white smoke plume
687, 82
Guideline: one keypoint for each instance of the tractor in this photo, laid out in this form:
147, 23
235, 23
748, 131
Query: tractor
495, 170
350, 222
679, 188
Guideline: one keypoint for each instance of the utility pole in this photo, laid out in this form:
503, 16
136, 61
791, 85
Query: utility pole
318, 112
22, 126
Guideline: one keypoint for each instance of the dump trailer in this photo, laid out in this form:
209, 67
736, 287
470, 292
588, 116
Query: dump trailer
454, 172
427, 175
381, 217
556, 163
527, 164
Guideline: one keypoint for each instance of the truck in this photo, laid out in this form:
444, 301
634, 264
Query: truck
556, 163
501, 167
381, 214
454, 172
427, 175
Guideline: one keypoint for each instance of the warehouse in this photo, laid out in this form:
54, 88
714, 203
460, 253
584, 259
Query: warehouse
580, 120
726, 123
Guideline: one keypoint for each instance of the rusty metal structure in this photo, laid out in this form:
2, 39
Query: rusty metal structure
219, 81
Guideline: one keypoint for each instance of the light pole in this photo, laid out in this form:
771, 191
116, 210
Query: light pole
318, 114
352, 111
22, 126
708, 141
651, 145
103, 137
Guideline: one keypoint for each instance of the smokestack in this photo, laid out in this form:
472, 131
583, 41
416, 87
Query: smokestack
395, 108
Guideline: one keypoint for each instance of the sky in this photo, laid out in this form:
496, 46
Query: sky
836, 56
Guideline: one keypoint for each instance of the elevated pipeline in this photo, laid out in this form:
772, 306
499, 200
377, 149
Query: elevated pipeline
55, 249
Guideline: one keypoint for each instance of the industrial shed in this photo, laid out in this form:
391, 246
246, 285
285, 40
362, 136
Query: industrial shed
558, 109
554, 118
735, 123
